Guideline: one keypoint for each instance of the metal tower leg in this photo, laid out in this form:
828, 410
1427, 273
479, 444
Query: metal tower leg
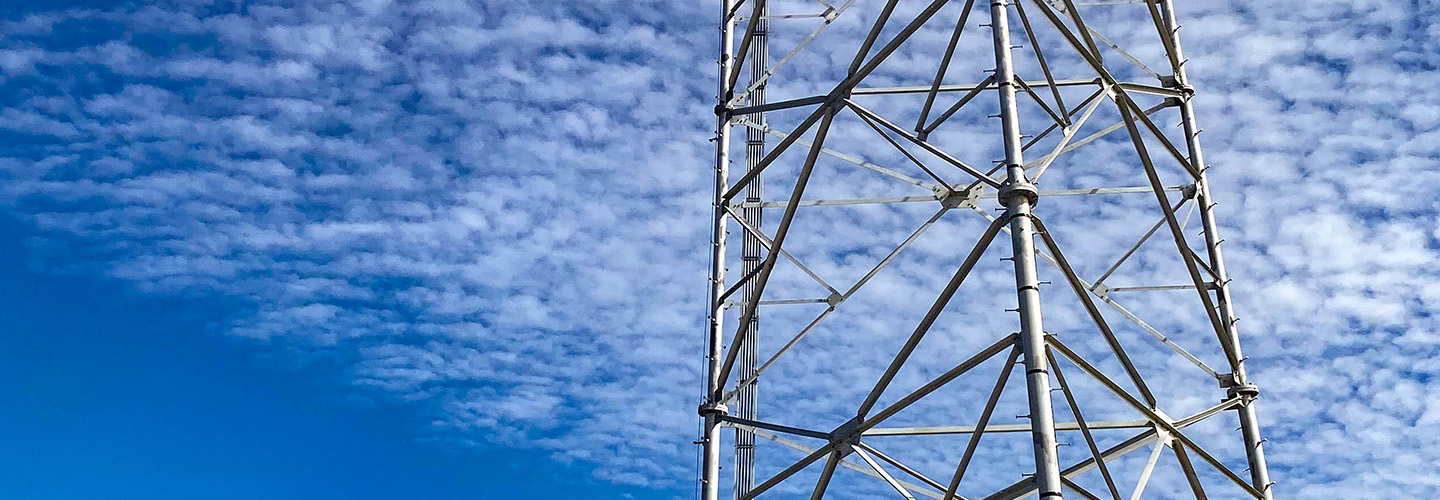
751, 253
1249, 424
711, 409
1019, 196
746, 401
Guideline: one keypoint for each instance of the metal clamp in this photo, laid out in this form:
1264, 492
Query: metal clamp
1247, 391
1023, 188
708, 409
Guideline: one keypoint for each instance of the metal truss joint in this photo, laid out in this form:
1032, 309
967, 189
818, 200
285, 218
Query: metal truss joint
1189, 191
844, 437
1101, 291
959, 198
1022, 188
836, 98
1171, 82
1235, 385
716, 409
1246, 391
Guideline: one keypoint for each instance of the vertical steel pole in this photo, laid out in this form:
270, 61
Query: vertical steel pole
711, 409
1019, 196
746, 399
1249, 424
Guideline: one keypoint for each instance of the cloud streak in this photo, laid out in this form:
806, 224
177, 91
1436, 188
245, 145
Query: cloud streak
498, 211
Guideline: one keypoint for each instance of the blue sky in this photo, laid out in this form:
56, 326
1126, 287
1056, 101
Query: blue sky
116, 395
451, 249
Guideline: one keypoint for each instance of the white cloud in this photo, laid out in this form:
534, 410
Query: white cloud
499, 211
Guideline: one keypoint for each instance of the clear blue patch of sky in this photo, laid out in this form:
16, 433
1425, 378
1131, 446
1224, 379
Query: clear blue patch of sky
107, 394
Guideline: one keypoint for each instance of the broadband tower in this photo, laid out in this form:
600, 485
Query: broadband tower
987, 264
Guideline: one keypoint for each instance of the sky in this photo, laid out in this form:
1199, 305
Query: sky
453, 249
116, 395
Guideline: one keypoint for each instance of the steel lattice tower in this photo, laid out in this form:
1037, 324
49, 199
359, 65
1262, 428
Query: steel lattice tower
1020, 109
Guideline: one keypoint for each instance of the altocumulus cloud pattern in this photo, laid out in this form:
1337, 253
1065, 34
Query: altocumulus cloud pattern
498, 210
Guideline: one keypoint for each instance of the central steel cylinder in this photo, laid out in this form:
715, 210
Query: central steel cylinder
1018, 196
